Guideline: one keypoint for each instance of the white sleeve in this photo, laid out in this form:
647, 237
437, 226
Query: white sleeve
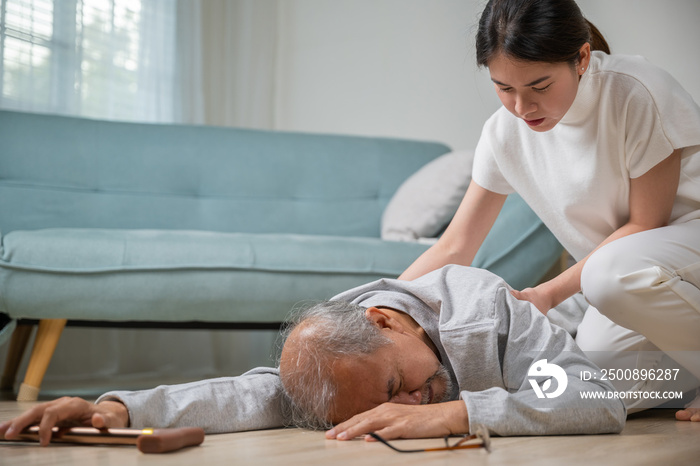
485, 170
660, 116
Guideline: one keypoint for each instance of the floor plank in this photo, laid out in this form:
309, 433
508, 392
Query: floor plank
653, 437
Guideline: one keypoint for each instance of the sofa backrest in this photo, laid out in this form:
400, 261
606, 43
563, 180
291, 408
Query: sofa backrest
58, 171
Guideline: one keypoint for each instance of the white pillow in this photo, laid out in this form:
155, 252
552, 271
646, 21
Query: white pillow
426, 202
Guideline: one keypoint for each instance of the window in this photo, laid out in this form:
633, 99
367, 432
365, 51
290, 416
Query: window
96, 58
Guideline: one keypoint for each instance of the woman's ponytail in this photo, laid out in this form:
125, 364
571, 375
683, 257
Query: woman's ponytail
598, 42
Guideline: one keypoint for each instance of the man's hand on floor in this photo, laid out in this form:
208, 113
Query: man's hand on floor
66, 412
392, 421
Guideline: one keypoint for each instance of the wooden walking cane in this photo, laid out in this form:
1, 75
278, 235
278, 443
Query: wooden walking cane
146, 440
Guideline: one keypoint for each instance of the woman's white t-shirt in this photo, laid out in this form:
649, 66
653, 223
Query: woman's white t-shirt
628, 116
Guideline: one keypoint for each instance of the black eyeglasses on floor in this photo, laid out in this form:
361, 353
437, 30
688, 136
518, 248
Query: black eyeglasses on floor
481, 434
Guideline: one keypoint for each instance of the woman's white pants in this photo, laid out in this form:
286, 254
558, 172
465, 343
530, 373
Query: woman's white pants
644, 292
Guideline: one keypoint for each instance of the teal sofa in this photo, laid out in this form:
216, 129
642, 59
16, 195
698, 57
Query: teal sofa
190, 226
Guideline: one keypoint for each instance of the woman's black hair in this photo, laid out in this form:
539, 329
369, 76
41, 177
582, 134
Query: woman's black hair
551, 31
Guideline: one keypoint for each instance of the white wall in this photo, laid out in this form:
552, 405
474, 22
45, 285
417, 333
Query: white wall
380, 67
406, 68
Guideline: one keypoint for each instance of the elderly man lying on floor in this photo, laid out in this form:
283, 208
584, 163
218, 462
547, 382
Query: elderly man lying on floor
434, 356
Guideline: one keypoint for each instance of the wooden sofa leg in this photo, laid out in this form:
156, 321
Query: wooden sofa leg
15, 352
47, 336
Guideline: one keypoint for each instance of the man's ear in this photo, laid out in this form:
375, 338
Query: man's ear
382, 319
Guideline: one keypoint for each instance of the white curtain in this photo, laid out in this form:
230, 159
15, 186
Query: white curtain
191, 61
227, 53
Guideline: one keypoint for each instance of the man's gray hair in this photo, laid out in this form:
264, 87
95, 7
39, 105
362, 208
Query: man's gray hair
326, 332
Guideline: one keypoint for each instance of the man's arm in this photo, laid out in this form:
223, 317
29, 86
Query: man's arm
583, 407
252, 401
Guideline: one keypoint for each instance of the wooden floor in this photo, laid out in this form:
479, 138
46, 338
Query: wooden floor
653, 437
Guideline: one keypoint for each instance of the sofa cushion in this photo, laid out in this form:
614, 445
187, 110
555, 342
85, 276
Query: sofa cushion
161, 275
426, 202
175, 275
